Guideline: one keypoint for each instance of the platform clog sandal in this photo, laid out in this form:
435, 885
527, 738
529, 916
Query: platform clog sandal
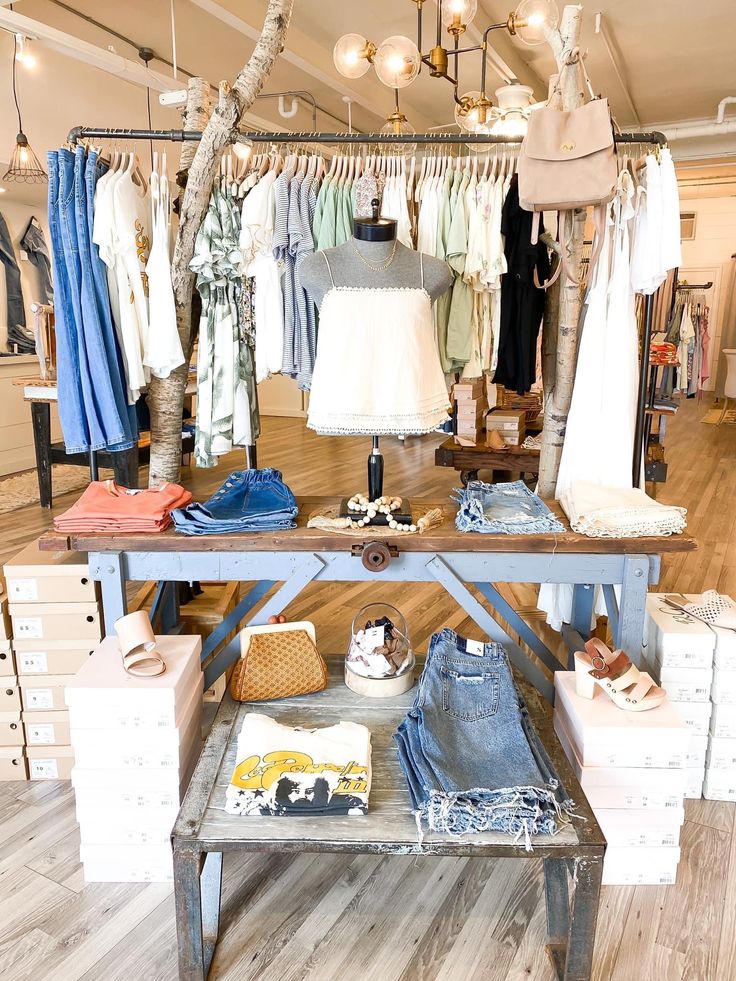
628, 688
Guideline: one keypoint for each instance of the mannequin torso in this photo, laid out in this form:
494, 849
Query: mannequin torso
348, 269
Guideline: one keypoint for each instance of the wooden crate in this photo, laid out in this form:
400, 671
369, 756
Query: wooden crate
200, 616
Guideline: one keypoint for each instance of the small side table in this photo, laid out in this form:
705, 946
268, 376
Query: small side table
41, 394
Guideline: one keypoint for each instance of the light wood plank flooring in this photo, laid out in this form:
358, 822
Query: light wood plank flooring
381, 919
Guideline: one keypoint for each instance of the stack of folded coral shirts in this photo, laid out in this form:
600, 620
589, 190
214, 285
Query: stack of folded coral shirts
106, 506
471, 757
249, 500
617, 512
503, 509
292, 772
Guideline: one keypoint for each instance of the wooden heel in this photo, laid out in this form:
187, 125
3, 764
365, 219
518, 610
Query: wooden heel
584, 683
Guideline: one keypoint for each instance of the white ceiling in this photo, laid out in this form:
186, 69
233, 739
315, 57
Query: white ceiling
676, 56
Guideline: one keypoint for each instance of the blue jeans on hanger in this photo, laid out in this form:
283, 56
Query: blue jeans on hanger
73, 263
470, 757
69, 382
33, 243
116, 412
249, 500
16, 310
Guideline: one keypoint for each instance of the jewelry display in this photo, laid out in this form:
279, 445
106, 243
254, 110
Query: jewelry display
382, 266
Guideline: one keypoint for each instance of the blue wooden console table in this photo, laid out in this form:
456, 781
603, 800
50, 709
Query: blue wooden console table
204, 831
442, 555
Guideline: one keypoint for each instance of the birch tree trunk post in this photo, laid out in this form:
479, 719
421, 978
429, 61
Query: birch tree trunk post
568, 304
166, 400
165, 403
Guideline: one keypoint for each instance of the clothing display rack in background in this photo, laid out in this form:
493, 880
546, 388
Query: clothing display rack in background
659, 404
424, 140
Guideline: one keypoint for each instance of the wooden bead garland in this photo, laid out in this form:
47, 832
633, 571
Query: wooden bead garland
382, 505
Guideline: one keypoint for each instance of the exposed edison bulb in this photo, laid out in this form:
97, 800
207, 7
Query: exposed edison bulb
397, 61
352, 54
511, 124
533, 17
242, 150
23, 154
23, 53
457, 14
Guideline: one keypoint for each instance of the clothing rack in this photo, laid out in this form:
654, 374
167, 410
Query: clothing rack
653, 138
693, 287
384, 139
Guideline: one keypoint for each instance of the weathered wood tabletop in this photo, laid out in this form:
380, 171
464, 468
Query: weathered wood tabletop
444, 538
389, 827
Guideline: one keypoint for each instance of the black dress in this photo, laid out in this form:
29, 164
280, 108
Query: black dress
522, 304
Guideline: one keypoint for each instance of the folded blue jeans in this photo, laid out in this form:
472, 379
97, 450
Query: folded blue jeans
249, 500
503, 509
471, 758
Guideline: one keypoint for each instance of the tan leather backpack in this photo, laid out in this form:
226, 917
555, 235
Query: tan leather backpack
568, 161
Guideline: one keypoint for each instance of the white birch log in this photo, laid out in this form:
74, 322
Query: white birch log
562, 315
166, 400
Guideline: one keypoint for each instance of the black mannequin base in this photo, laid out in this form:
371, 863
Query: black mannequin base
402, 516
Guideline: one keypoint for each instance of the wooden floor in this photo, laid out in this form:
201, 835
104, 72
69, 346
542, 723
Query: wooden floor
328, 917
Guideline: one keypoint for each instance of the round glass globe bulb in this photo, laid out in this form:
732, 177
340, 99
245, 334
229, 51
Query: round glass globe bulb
405, 129
512, 124
533, 17
348, 56
456, 13
469, 121
397, 62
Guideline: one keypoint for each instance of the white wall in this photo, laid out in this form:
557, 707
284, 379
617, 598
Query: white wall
707, 257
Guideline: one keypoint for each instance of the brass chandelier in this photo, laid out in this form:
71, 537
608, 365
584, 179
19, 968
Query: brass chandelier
398, 61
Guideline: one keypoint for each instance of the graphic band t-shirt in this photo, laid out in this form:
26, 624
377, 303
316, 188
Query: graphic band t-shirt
286, 771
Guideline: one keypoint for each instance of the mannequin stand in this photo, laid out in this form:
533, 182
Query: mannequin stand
375, 490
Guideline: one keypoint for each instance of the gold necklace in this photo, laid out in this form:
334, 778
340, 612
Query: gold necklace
383, 266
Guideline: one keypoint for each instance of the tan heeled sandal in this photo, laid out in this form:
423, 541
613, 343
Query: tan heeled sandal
628, 688
138, 646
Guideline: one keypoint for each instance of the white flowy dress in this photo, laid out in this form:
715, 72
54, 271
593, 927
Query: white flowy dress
599, 437
377, 370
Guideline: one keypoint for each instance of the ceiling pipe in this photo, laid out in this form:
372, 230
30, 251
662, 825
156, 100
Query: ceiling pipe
74, 47
292, 110
690, 131
720, 118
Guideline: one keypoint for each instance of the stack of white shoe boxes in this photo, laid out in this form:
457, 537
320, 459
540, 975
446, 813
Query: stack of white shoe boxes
135, 741
720, 774
679, 653
56, 624
631, 766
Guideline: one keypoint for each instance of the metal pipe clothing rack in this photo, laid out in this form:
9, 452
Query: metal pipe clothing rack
653, 138
384, 139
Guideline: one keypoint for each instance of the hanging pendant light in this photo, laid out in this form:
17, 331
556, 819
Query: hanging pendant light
25, 166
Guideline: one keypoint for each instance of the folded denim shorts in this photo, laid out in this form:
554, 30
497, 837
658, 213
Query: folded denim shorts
471, 758
506, 509
249, 500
